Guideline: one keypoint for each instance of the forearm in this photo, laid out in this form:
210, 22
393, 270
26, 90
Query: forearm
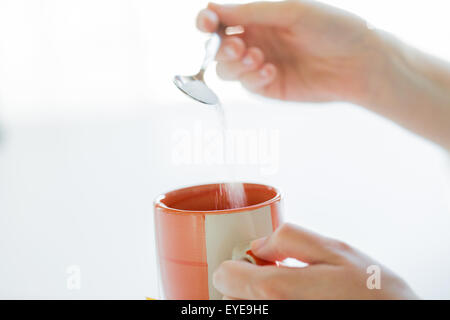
411, 88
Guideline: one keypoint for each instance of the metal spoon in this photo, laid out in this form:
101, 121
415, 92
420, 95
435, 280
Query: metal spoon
195, 86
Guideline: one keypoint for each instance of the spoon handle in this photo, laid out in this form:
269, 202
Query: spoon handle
212, 46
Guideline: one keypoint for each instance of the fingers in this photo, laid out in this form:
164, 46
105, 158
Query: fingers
231, 279
281, 14
207, 20
235, 62
232, 70
243, 280
290, 241
256, 81
232, 49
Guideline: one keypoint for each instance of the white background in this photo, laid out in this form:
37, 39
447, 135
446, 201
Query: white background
87, 110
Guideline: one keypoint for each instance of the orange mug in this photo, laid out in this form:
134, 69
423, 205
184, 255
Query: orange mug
195, 233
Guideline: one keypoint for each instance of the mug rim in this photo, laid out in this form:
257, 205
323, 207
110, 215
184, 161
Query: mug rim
159, 204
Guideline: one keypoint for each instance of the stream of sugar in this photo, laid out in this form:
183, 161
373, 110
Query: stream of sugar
231, 194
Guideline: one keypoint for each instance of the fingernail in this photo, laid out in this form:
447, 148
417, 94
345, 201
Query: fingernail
248, 60
212, 16
230, 52
258, 244
221, 6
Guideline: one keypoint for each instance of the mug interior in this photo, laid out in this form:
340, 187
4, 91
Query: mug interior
205, 197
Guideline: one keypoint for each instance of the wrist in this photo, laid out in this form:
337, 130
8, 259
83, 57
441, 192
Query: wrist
379, 59
407, 86
388, 66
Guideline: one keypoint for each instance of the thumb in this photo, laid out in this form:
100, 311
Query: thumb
290, 241
281, 14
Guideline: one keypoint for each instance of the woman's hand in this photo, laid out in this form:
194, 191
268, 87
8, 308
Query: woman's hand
334, 271
294, 50
307, 51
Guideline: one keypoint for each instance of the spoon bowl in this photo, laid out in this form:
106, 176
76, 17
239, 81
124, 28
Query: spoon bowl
194, 86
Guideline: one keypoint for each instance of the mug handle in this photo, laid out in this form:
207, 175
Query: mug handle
244, 252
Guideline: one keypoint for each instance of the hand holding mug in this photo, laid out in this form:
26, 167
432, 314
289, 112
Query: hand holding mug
335, 270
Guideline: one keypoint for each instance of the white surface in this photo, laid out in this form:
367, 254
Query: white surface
88, 112
236, 228
79, 192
